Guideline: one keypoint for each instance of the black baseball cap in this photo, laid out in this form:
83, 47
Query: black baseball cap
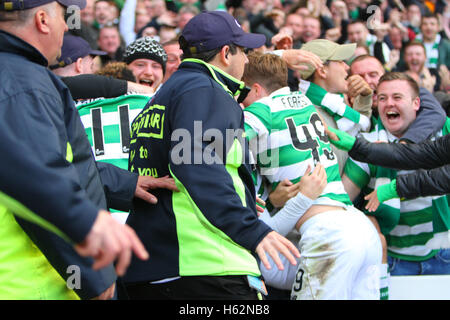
213, 29
14, 5
73, 48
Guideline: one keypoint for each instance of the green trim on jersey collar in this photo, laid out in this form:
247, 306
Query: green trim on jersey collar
213, 69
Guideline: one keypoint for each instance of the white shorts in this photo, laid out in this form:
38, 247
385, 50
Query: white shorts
340, 258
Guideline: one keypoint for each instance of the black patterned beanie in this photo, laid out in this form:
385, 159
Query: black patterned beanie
145, 48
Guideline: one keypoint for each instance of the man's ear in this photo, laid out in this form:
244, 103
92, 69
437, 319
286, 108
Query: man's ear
256, 87
261, 91
416, 103
225, 55
79, 65
41, 20
322, 72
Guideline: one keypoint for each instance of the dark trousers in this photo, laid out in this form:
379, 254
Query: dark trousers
194, 288
278, 294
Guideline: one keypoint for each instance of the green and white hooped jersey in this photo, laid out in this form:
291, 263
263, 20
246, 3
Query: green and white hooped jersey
286, 135
415, 228
108, 122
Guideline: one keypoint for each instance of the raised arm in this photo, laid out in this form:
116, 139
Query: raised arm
426, 155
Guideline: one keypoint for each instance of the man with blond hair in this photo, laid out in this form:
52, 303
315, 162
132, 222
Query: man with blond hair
287, 139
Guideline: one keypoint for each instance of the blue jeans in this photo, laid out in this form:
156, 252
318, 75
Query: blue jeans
439, 264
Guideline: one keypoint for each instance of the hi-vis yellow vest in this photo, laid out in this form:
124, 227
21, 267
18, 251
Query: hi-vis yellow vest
25, 273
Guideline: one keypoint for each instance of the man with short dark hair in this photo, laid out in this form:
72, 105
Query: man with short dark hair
407, 156
295, 22
174, 54
409, 225
415, 60
311, 29
108, 40
413, 18
437, 48
208, 232
103, 13
430, 117
358, 32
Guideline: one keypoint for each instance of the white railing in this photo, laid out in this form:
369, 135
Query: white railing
419, 287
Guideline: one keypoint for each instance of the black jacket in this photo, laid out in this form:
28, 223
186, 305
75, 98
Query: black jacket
91, 86
426, 155
430, 119
39, 125
210, 227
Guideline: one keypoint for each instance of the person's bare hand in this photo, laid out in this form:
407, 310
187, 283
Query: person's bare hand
358, 86
381, 30
145, 183
314, 6
324, 10
331, 135
373, 202
283, 39
108, 241
339, 8
428, 81
167, 18
273, 244
400, 5
298, 59
286, 30
284, 191
394, 58
333, 34
312, 185
445, 77
108, 294
260, 205
139, 88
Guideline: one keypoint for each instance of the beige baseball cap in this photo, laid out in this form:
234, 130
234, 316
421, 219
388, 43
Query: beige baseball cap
326, 50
